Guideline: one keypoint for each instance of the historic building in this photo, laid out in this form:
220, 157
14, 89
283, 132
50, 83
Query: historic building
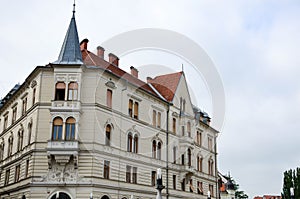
82, 127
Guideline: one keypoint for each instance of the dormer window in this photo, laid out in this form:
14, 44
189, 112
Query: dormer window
60, 90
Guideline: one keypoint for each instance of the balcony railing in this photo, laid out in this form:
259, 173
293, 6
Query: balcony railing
66, 105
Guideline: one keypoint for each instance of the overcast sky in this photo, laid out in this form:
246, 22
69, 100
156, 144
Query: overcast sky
254, 44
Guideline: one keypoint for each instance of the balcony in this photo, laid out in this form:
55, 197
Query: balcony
62, 152
65, 105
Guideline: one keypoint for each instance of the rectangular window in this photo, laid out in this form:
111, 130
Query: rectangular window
128, 174
14, 115
109, 98
33, 96
182, 130
17, 173
57, 132
211, 189
210, 143
189, 129
136, 110
106, 169
72, 91
174, 182
134, 175
183, 185
191, 186
174, 155
24, 105
154, 118
5, 122
7, 174
27, 168
158, 119
199, 138
130, 107
60, 90
174, 125
200, 188
153, 178
182, 159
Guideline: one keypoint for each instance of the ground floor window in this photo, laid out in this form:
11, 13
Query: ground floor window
60, 195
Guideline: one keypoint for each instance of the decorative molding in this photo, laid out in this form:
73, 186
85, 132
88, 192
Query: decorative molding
110, 84
134, 97
33, 84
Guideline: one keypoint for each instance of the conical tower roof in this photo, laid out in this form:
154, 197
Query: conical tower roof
70, 53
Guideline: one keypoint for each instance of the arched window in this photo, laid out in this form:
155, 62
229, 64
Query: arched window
70, 129
129, 142
10, 146
57, 129
154, 149
159, 150
107, 135
60, 89
105, 197
60, 195
135, 144
189, 157
73, 91
199, 163
20, 139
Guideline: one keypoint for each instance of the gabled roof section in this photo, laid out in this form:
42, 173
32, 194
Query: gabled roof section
70, 53
90, 59
167, 84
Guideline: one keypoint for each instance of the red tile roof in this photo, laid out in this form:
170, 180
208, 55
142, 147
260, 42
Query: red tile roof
90, 59
166, 85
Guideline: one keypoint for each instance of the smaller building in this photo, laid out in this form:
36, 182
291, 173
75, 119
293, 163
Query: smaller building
227, 187
267, 197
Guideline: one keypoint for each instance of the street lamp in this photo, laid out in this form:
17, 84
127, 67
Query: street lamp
159, 183
292, 193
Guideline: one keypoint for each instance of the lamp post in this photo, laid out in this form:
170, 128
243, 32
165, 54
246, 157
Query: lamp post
159, 186
292, 193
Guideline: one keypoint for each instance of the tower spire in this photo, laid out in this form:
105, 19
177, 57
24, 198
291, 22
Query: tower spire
74, 8
70, 52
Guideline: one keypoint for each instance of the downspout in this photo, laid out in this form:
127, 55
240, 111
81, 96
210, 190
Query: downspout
216, 169
167, 143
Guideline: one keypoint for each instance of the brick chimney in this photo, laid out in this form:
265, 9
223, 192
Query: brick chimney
149, 79
113, 59
100, 52
83, 44
134, 72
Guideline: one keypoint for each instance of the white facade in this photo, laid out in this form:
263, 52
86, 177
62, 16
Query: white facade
63, 140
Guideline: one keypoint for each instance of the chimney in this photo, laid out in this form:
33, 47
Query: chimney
100, 52
134, 72
113, 59
149, 79
83, 44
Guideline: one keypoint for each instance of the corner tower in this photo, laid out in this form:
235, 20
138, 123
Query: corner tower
70, 53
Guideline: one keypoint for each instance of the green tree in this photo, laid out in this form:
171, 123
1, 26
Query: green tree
239, 194
291, 178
